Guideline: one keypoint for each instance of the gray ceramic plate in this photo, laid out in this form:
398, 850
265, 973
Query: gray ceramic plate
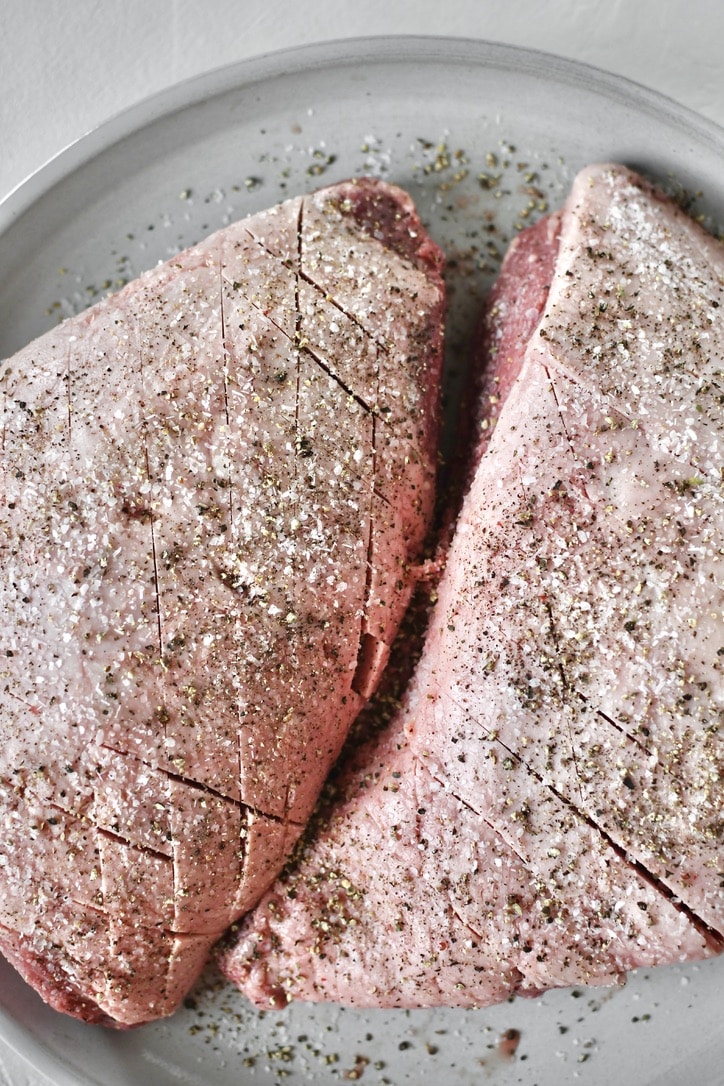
485, 137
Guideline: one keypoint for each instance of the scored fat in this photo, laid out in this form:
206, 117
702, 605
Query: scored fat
215, 484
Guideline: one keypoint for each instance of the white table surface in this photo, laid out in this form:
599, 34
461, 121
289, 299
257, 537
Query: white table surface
67, 65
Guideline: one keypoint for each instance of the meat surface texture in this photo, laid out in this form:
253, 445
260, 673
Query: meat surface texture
214, 485
545, 810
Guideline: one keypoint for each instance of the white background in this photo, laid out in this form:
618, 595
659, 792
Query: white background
67, 65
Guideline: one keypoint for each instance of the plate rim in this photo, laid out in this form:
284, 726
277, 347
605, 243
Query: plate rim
337, 52
42, 1057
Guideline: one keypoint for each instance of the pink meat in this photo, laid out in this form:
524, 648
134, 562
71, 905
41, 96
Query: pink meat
214, 485
546, 808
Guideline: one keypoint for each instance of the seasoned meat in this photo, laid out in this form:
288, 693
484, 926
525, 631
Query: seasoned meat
214, 485
546, 808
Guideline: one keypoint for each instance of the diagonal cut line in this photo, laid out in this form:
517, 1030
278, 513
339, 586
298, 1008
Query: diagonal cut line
198, 785
619, 727
566, 689
711, 936
464, 923
345, 388
517, 977
118, 839
381, 496
567, 685
582, 481
376, 339
34, 709
576, 378
310, 281
208, 790
310, 352
478, 814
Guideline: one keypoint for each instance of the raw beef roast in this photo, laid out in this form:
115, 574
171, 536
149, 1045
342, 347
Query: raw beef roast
214, 484
546, 809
